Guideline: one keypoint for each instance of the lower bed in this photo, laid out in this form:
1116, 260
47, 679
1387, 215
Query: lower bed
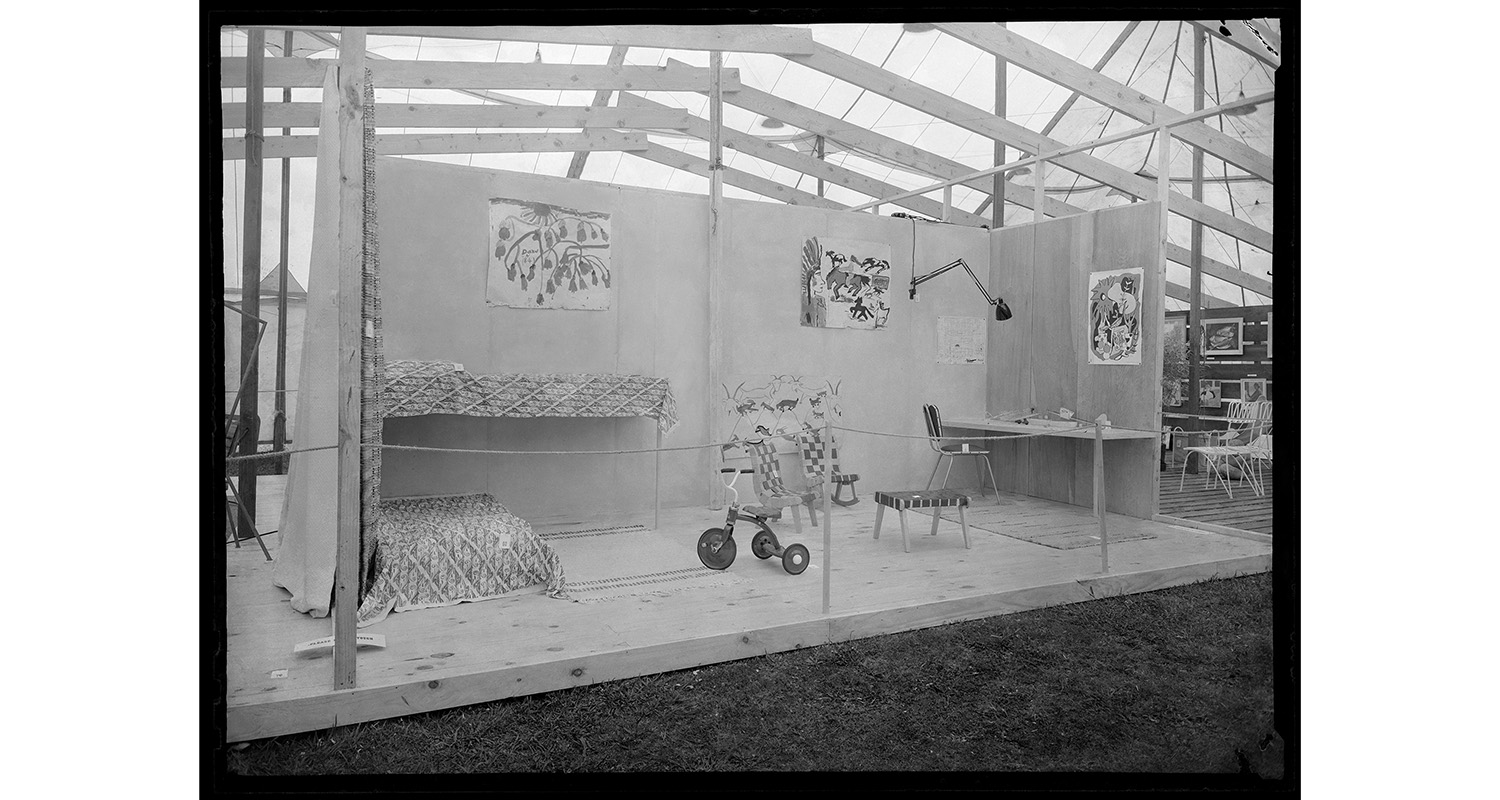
440, 551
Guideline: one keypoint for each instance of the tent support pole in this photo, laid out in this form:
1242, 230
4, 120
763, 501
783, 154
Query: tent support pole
350, 308
250, 275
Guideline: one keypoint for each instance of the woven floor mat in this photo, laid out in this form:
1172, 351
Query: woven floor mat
612, 563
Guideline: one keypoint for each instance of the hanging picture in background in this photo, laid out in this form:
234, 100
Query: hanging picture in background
1253, 390
1113, 329
1210, 394
759, 406
961, 340
1178, 391
547, 256
1224, 337
845, 283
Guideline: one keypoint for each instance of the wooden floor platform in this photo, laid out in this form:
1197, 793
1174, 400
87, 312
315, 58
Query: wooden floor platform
1210, 503
529, 643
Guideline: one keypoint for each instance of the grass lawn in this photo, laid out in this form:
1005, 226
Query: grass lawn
1178, 680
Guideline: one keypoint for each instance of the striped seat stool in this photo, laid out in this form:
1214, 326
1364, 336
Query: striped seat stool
935, 499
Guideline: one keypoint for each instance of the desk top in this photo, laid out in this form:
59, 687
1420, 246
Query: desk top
1002, 426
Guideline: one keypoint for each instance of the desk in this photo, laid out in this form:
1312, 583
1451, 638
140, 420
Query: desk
1085, 431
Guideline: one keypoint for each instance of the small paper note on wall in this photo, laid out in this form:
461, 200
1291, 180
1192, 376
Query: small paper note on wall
547, 256
961, 340
1113, 325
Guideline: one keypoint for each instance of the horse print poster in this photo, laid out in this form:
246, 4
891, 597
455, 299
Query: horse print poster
1114, 316
547, 256
845, 283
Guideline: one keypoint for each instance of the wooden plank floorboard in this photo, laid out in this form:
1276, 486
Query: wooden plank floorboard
529, 643
1211, 503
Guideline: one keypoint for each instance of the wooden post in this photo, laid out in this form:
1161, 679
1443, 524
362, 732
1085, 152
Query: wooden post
997, 217
656, 514
827, 508
278, 424
1195, 278
1038, 191
350, 295
821, 156
250, 276
715, 254
1099, 500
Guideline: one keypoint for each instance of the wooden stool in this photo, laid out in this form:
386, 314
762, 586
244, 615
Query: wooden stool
936, 499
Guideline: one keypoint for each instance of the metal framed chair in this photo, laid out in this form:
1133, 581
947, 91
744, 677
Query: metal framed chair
934, 422
1236, 447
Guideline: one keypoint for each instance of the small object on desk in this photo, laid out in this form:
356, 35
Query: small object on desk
1064, 413
935, 499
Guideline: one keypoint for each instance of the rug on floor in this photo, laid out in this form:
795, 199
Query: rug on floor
630, 561
1017, 522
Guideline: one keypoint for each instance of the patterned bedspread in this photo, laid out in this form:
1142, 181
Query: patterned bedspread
414, 388
438, 551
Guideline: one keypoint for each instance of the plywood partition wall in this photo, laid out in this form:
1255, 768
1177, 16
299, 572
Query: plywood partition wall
434, 242
1042, 271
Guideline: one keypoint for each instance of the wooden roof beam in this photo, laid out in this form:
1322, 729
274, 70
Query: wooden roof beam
930, 101
729, 38
307, 73
744, 180
808, 165
1242, 36
1058, 68
601, 98
442, 115
451, 143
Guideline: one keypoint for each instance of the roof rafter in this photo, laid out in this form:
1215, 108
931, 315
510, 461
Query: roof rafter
450, 143
930, 101
307, 73
730, 38
443, 115
1058, 68
808, 165
601, 98
744, 180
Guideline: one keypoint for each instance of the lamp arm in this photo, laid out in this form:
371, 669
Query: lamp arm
918, 281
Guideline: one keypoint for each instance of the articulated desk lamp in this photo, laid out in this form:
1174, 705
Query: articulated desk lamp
1002, 311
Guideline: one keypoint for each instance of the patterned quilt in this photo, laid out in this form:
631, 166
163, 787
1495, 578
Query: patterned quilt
438, 551
414, 388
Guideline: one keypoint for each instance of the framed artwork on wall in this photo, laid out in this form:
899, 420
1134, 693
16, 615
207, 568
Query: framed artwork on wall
547, 256
845, 283
1113, 326
961, 340
1178, 392
1224, 337
1253, 390
1210, 394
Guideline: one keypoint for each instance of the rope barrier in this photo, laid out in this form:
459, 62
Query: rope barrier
1083, 424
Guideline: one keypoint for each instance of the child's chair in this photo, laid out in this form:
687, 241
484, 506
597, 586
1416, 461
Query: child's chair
772, 491
813, 458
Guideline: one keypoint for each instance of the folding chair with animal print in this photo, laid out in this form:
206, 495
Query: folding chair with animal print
814, 456
772, 491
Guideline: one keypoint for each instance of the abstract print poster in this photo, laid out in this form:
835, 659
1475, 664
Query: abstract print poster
1114, 316
845, 283
760, 406
547, 256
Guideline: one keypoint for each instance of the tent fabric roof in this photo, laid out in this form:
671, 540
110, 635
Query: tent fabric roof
1155, 58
